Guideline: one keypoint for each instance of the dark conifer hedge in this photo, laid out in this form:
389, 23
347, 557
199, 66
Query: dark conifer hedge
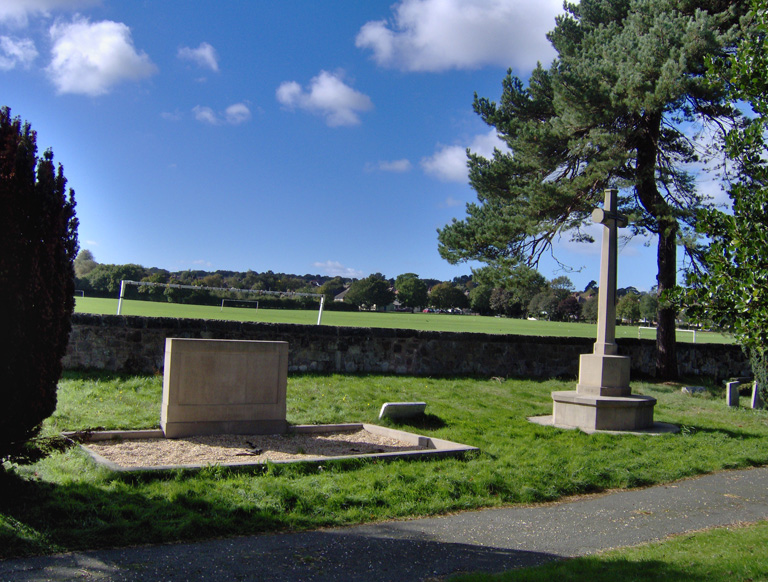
38, 245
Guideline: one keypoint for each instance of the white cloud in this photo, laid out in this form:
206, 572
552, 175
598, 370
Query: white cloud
451, 202
91, 58
449, 163
172, 115
206, 115
18, 12
437, 35
336, 269
327, 95
16, 51
235, 114
203, 56
396, 166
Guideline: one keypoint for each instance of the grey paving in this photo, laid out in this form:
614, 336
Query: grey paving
429, 549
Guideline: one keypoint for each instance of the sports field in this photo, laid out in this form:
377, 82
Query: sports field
420, 321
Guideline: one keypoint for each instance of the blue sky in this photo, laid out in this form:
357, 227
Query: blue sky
299, 136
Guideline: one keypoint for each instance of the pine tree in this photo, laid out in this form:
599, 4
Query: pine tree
38, 242
611, 111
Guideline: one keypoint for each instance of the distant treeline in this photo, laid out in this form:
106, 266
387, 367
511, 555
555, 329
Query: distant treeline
103, 280
523, 292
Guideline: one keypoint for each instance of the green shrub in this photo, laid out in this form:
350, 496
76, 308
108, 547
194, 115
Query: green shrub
38, 238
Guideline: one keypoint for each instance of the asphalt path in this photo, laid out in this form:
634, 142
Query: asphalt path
431, 549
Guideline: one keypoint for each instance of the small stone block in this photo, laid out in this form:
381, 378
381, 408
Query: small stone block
756, 401
399, 410
732, 393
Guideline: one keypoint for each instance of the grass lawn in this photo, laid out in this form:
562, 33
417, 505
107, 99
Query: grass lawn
719, 555
421, 321
64, 502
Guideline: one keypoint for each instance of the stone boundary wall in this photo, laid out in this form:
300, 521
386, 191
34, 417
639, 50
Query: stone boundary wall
136, 345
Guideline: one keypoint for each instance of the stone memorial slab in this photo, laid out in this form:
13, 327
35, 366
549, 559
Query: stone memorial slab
401, 410
224, 387
732, 393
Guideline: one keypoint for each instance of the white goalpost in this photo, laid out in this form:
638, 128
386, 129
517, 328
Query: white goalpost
248, 301
125, 282
693, 331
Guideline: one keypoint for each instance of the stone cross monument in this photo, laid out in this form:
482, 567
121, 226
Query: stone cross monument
606, 314
602, 399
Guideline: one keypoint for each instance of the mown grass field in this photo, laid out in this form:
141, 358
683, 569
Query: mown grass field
64, 502
420, 321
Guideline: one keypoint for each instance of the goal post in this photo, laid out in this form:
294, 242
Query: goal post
255, 303
126, 282
693, 331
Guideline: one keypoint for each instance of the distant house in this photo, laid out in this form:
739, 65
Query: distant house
340, 297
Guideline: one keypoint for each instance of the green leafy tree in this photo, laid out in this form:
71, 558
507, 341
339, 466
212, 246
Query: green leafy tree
569, 309
331, 288
520, 282
544, 305
649, 306
732, 290
106, 278
84, 263
372, 291
590, 308
611, 111
501, 302
411, 291
480, 299
447, 296
628, 308
38, 238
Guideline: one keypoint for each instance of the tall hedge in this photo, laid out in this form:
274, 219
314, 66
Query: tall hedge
38, 245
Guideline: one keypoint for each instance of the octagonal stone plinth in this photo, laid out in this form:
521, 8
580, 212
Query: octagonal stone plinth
592, 412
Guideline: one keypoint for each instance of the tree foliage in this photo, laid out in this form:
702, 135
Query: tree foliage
628, 308
447, 296
373, 291
411, 291
38, 238
610, 111
732, 290
480, 299
84, 263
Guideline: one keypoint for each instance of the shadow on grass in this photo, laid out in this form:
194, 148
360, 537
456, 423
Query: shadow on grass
598, 569
688, 430
423, 421
41, 517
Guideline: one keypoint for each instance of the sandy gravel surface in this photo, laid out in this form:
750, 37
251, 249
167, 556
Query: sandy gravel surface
244, 448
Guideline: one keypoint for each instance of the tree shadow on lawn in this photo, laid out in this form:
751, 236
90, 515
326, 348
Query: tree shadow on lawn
688, 430
425, 421
43, 517
601, 569
375, 551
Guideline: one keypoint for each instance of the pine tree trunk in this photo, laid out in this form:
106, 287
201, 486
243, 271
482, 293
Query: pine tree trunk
656, 206
666, 341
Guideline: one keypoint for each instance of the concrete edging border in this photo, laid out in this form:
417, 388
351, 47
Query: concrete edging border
433, 447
